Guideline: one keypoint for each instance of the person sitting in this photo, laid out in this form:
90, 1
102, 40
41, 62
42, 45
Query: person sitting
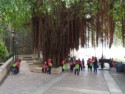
44, 68
18, 65
13, 68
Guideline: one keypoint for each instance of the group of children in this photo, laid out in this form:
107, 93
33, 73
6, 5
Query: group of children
75, 65
92, 63
78, 65
47, 67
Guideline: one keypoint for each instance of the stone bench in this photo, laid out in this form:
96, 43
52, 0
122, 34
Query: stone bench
27, 58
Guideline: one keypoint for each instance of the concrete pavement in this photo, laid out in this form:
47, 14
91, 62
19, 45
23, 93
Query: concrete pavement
119, 78
87, 82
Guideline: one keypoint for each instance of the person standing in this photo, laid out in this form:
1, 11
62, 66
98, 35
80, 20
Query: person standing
77, 68
63, 65
95, 64
71, 65
80, 65
89, 63
113, 62
49, 66
92, 62
83, 63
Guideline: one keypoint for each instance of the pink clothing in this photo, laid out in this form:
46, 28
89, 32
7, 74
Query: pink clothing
80, 63
18, 64
45, 65
63, 62
73, 63
49, 60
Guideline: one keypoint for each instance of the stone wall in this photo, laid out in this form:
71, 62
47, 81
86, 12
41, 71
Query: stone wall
4, 69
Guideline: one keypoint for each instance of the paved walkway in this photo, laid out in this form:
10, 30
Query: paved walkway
87, 82
119, 78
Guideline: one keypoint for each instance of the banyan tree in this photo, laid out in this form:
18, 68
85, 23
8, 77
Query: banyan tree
59, 26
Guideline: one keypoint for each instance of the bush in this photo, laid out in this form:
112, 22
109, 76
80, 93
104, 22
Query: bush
3, 51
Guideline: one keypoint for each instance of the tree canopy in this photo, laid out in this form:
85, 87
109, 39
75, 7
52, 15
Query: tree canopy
61, 25
58, 26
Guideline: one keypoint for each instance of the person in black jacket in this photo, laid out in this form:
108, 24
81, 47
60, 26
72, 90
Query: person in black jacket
95, 65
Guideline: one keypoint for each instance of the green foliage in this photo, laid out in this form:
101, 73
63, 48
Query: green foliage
118, 10
15, 12
19, 12
3, 51
118, 29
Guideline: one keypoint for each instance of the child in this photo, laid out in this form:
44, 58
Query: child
18, 65
49, 66
63, 65
77, 68
13, 68
44, 69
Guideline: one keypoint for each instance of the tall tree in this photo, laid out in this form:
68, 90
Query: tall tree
61, 25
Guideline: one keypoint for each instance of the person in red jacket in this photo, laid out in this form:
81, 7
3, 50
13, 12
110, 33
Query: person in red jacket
113, 62
80, 64
89, 63
44, 68
18, 65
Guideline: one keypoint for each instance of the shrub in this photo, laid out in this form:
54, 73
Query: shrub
3, 51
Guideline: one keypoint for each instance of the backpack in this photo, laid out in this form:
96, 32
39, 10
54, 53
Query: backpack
50, 64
